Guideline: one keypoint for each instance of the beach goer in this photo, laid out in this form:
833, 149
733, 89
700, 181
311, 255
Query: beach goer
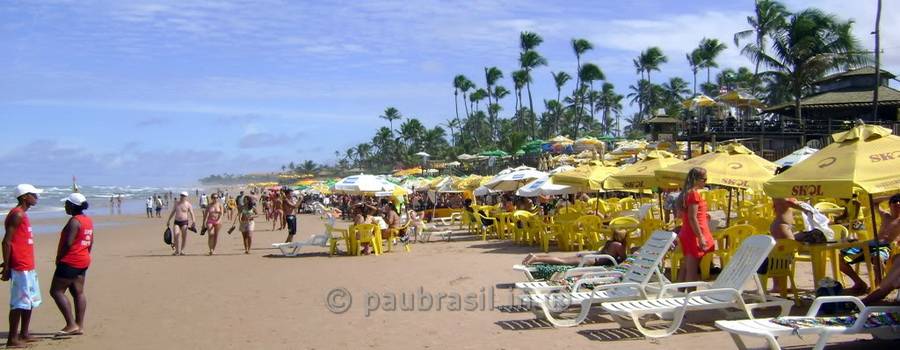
546, 265
230, 207
204, 201
246, 217
289, 205
18, 266
695, 237
212, 219
159, 206
73, 257
277, 211
183, 213
149, 204
392, 219
364, 216
783, 225
879, 248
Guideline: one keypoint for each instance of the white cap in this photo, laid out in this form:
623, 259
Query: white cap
75, 198
26, 189
184, 193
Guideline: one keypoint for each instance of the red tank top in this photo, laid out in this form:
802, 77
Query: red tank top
22, 242
79, 254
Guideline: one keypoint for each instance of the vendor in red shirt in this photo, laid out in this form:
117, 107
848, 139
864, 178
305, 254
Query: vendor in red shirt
18, 267
695, 238
73, 257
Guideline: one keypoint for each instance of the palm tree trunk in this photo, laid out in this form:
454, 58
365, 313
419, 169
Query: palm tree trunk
532, 117
591, 96
558, 110
466, 105
695, 81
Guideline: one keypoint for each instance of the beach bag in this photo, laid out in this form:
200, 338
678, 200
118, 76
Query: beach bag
828, 287
167, 236
812, 236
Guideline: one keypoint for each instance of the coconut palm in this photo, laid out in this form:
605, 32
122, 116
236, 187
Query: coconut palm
459, 82
476, 98
651, 59
529, 41
520, 78
694, 60
559, 79
709, 51
610, 103
391, 114
589, 73
810, 45
309, 167
767, 17
529, 60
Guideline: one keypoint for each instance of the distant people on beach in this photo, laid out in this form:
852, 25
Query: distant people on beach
246, 214
73, 258
289, 206
149, 204
158, 206
19, 266
204, 201
183, 215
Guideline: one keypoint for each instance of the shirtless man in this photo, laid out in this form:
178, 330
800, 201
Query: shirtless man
183, 213
289, 208
783, 225
212, 219
879, 249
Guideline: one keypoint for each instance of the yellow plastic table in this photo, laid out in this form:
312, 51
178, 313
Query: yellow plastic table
820, 253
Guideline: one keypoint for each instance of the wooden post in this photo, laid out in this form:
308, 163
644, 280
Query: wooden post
728, 214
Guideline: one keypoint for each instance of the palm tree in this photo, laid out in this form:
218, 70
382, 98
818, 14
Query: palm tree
610, 103
530, 60
309, 167
391, 114
673, 94
709, 51
590, 72
464, 86
768, 16
491, 76
694, 60
459, 82
651, 59
520, 77
529, 40
809, 45
476, 98
579, 46
452, 124
559, 79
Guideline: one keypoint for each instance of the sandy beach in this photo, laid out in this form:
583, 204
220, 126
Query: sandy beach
141, 297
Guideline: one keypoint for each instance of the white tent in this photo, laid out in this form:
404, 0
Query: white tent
543, 186
796, 157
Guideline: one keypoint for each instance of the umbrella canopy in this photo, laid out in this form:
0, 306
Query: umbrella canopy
465, 157
513, 180
561, 168
796, 157
740, 99
585, 177
732, 165
560, 139
641, 175
543, 186
482, 191
423, 154
469, 183
363, 184
453, 164
699, 101
865, 157
494, 153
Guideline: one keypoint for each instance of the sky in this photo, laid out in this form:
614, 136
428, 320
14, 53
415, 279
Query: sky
164, 92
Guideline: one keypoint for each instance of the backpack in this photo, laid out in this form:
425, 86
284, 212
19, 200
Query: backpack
167, 236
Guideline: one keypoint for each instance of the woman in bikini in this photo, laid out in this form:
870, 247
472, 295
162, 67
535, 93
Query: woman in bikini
546, 265
245, 216
213, 221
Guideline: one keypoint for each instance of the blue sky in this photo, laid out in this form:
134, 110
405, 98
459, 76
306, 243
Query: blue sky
164, 92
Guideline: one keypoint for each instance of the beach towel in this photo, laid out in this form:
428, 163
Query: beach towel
813, 219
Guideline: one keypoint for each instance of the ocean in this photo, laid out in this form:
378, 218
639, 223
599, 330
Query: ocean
50, 204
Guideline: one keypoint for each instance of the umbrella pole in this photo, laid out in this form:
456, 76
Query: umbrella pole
878, 266
728, 215
660, 205
597, 210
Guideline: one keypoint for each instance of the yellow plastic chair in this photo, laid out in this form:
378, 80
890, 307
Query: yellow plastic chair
517, 227
591, 230
631, 226
394, 233
537, 231
502, 224
648, 226
483, 229
727, 241
830, 209
365, 233
781, 263
335, 235
571, 209
628, 204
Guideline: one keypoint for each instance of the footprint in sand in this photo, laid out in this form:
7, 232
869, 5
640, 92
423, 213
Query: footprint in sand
459, 279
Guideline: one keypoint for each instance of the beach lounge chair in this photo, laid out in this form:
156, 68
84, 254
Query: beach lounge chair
579, 270
880, 321
634, 284
293, 248
725, 292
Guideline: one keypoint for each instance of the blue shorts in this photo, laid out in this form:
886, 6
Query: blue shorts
24, 292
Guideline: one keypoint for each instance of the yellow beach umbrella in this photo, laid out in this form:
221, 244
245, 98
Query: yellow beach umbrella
732, 165
865, 157
740, 99
585, 177
699, 101
641, 175
561, 139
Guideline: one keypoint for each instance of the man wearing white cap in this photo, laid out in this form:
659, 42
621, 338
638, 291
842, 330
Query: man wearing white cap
18, 266
183, 213
73, 257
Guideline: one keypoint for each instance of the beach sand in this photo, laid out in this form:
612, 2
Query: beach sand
141, 297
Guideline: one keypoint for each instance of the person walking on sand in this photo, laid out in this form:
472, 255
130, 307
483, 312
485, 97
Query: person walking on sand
149, 205
695, 238
246, 214
183, 213
289, 206
18, 266
159, 206
73, 257
212, 219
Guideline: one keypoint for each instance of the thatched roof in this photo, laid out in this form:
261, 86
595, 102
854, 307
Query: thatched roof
661, 120
868, 70
843, 98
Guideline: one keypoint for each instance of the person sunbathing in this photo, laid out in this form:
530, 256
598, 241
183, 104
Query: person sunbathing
547, 265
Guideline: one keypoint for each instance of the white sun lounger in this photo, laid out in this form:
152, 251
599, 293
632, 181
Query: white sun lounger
581, 269
293, 248
770, 331
725, 292
634, 284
